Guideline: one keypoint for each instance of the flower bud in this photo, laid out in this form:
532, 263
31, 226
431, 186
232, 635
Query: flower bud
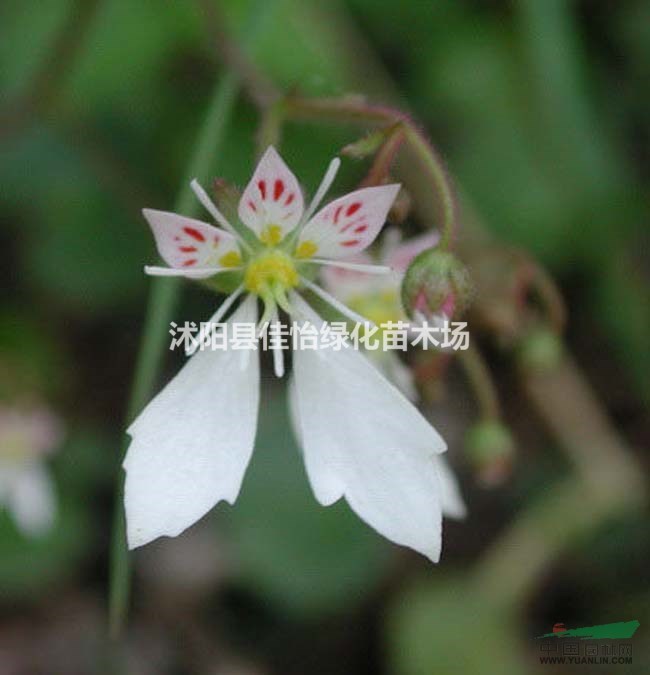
540, 351
490, 448
435, 282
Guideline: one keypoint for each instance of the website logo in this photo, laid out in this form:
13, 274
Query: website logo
588, 645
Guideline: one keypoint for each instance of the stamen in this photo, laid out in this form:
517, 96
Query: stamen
212, 209
324, 186
359, 267
337, 304
190, 273
216, 318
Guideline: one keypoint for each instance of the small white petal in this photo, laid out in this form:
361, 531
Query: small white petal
358, 430
272, 197
349, 224
31, 500
187, 244
192, 443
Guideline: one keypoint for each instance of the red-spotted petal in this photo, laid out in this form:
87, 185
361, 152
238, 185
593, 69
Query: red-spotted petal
402, 255
347, 225
272, 197
186, 243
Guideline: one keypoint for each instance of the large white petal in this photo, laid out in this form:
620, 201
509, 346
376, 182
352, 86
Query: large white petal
191, 445
31, 500
401, 376
397, 372
361, 433
325, 484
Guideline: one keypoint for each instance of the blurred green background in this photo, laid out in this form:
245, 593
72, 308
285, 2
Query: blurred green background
541, 109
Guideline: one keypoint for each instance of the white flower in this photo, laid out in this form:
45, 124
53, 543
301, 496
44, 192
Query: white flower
379, 300
361, 438
26, 488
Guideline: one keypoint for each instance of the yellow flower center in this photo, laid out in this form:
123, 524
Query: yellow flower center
270, 272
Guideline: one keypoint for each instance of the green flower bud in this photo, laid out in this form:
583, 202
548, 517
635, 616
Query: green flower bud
436, 281
490, 448
540, 350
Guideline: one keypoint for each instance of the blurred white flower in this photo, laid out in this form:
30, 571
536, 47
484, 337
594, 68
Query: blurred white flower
26, 488
361, 438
